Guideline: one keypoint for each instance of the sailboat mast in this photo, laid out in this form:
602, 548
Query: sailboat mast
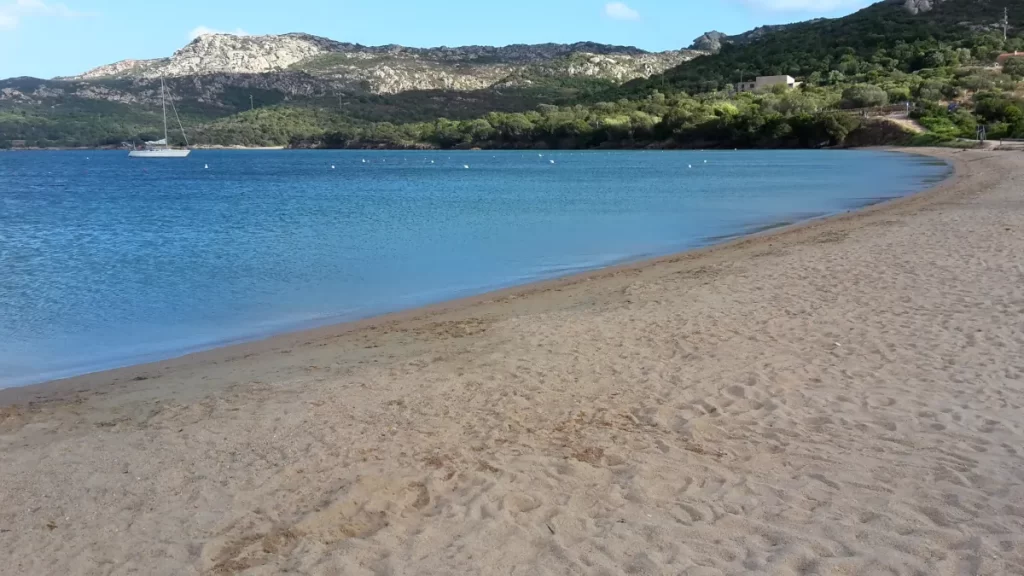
163, 103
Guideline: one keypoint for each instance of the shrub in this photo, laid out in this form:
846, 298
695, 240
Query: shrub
864, 96
929, 139
976, 82
1014, 67
898, 94
940, 125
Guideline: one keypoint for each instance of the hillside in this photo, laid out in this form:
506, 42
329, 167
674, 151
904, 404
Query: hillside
215, 76
935, 56
889, 36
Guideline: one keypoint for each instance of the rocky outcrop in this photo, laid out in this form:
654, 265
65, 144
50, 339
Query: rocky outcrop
713, 41
226, 53
918, 6
709, 41
222, 53
122, 68
12, 95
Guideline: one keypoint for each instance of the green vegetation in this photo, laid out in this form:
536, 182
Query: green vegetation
98, 124
66, 121
875, 43
795, 119
865, 96
941, 63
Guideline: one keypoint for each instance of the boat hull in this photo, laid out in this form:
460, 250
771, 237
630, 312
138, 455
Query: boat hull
158, 153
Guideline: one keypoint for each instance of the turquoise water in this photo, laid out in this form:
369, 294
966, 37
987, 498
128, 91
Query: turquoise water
108, 261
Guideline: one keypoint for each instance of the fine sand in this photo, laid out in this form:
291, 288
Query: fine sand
844, 397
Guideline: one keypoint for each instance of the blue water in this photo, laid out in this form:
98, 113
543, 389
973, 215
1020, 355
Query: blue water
107, 261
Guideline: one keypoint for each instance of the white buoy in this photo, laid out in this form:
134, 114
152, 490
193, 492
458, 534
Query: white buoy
332, 166
689, 165
705, 161
207, 166
466, 166
364, 160
552, 161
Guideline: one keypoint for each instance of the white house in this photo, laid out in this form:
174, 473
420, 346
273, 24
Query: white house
763, 82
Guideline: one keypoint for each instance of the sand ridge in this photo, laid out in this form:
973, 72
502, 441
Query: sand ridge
840, 398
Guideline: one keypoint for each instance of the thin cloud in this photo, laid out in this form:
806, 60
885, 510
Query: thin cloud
804, 5
204, 30
620, 11
12, 13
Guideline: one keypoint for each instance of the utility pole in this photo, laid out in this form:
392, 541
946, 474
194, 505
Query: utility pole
1006, 21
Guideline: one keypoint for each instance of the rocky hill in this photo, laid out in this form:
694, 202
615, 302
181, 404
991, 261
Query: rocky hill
306, 65
218, 75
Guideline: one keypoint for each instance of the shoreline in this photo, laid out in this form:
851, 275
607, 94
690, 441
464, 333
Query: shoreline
54, 388
842, 396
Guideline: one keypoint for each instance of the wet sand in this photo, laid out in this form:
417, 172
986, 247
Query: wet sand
840, 397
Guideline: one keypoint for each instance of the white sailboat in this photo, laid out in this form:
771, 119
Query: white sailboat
159, 148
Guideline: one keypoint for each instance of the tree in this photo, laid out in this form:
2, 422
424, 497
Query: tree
898, 94
1014, 67
837, 126
1013, 114
864, 96
936, 59
480, 130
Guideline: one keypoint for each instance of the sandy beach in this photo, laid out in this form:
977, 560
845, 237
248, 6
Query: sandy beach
841, 397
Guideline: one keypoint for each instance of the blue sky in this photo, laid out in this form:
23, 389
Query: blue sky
46, 38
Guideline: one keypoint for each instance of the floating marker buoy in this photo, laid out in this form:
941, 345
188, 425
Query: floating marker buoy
552, 161
705, 161
689, 165
431, 161
466, 166
332, 166
206, 166
364, 160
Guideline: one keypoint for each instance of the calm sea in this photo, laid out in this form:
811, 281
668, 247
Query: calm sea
107, 261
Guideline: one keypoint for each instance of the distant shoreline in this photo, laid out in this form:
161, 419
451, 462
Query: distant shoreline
116, 148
